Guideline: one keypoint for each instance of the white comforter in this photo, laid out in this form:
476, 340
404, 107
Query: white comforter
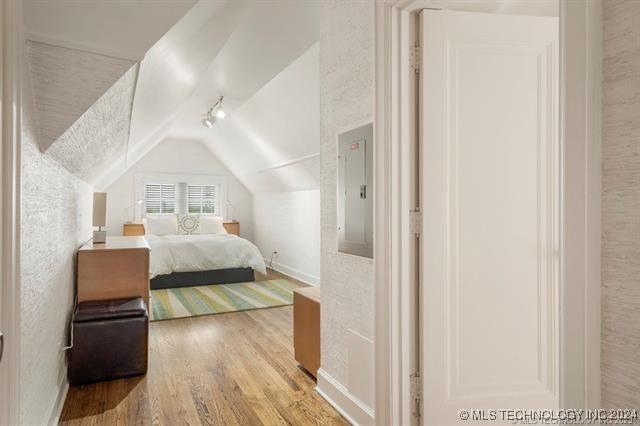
188, 253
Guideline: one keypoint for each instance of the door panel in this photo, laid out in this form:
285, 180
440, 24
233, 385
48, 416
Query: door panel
490, 191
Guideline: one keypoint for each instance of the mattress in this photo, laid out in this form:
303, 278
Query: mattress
190, 253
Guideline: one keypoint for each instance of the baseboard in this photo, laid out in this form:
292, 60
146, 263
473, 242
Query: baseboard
56, 410
354, 410
295, 273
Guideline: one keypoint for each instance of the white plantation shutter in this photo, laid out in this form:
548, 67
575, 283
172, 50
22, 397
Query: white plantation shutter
202, 199
160, 198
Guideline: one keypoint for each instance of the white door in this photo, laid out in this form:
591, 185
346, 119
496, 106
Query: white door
490, 200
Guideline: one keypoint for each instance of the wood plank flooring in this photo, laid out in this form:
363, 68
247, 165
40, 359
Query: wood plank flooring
226, 369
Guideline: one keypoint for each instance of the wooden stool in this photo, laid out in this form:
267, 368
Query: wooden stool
306, 328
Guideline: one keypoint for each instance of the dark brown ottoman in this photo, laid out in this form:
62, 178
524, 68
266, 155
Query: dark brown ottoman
110, 340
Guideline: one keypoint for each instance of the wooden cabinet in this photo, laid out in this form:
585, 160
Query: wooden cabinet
132, 229
306, 328
115, 269
232, 226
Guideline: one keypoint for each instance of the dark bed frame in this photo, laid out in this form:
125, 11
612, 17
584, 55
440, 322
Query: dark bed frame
191, 279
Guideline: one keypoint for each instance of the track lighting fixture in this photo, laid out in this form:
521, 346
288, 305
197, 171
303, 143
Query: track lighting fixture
213, 114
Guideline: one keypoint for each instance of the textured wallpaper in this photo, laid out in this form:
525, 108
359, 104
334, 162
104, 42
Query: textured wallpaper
346, 102
99, 137
66, 83
56, 220
621, 205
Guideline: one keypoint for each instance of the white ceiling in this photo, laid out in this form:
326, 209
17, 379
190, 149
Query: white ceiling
120, 28
239, 50
272, 141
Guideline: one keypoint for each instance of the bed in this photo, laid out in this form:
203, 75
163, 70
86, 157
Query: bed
201, 259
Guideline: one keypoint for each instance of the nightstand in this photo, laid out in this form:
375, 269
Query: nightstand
232, 227
131, 229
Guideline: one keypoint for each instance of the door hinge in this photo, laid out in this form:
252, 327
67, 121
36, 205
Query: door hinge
415, 58
415, 222
416, 394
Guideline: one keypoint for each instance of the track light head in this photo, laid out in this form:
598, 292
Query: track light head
213, 114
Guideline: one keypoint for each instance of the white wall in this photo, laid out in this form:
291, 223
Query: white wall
289, 223
346, 102
56, 220
178, 157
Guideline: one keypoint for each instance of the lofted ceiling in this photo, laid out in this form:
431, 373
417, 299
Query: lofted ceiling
272, 141
263, 57
76, 51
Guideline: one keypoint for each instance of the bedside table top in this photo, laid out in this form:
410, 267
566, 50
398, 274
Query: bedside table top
117, 243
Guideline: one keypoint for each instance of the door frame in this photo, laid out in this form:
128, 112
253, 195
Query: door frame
11, 70
580, 142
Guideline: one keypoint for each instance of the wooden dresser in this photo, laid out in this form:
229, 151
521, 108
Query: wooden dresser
116, 269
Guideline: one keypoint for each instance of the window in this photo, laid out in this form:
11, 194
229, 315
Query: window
160, 198
165, 193
202, 199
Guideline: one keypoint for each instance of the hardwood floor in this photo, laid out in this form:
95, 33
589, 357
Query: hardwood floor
225, 369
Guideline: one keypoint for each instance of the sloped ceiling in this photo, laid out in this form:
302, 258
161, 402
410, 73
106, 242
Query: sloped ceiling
100, 135
66, 82
119, 28
272, 141
81, 63
261, 57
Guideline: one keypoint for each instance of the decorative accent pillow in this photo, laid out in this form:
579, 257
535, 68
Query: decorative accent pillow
188, 224
210, 224
161, 224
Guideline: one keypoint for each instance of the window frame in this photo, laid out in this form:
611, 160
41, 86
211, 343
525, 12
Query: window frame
220, 181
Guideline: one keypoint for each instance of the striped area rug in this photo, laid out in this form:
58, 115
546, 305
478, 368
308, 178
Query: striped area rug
216, 299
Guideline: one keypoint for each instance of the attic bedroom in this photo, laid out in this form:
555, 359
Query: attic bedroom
173, 160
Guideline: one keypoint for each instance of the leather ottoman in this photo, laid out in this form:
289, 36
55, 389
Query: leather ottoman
110, 340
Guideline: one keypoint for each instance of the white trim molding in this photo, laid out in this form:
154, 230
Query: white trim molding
580, 118
58, 404
351, 408
395, 180
11, 57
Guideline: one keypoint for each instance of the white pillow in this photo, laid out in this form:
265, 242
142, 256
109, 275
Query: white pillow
161, 224
211, 225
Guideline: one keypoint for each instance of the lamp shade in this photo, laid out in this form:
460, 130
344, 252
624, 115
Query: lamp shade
99, 209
